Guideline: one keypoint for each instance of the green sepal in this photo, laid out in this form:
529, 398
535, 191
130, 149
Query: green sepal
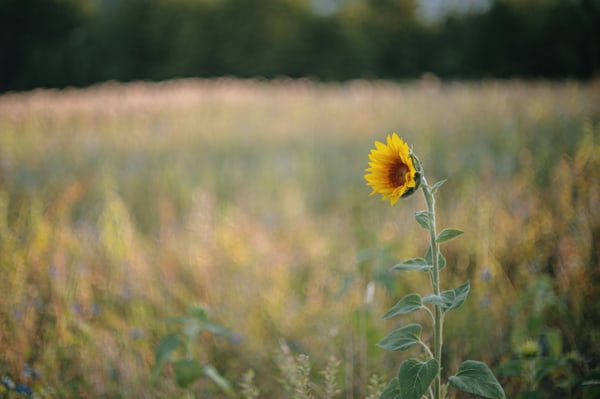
415, 377
408, 304
450, 299
424, 219
402, 338
414, 264
447, 235
476, 378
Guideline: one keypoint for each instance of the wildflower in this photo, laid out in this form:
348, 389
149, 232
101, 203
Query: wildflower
394, 171
529, 349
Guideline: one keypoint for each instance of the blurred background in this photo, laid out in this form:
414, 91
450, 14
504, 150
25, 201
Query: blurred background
182, 195
57, 43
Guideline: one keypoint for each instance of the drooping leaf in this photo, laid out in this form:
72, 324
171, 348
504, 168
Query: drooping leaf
415, 377
414, 264
424, 219
391, 391
187, 371
402, 338
409, 303
437, 186
447, 235
476, 378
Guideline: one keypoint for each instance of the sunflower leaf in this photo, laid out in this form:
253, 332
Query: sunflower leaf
402, 338
448, 234
413, 264
408, 304
450, 299
476, 378
424, 219
391, 391
437, 185
415, 377
429, 259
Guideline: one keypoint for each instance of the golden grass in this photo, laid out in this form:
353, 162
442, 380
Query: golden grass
121, 204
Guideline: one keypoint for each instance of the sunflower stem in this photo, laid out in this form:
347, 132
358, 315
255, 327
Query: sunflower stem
435, 282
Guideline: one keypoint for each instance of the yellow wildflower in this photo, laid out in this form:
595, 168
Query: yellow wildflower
394, 171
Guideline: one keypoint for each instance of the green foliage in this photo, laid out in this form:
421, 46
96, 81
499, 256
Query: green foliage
83, 42
179, 349
415, 377
402, 338
122, 204
476, 378
408, 304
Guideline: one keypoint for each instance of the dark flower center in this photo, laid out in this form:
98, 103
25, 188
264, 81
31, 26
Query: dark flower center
397, 175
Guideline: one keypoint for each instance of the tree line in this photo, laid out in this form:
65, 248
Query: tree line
57, 43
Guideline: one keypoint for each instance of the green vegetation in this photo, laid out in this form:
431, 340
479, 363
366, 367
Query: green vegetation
242, 204
59, 43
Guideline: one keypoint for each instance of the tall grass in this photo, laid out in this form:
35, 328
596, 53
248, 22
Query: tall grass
120, 205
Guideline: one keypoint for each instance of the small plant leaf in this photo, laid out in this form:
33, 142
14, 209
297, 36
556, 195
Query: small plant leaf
457, 296
167, 345
424, 219
409, 303
198, 312
391, 391
437, 300
448, 234
429, 259
413, 264
437, 186
187, 371
414, 377
476, 378
450, 299
402, 338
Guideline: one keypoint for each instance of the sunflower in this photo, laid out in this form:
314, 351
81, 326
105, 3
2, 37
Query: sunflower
394, 171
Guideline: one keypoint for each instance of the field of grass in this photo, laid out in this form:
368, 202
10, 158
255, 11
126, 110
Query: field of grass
122, 205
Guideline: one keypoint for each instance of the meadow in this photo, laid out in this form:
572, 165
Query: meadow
126, 207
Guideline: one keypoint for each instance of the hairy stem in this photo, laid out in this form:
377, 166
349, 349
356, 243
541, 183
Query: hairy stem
435, 281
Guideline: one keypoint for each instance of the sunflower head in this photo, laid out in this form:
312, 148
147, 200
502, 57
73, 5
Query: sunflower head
394, 171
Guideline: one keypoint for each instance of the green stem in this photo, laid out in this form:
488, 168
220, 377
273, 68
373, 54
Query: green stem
435, 281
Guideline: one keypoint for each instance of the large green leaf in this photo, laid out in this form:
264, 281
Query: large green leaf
409, 303
448, 234
402, 338
476, 378
414, 264
187, 371
414, 377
